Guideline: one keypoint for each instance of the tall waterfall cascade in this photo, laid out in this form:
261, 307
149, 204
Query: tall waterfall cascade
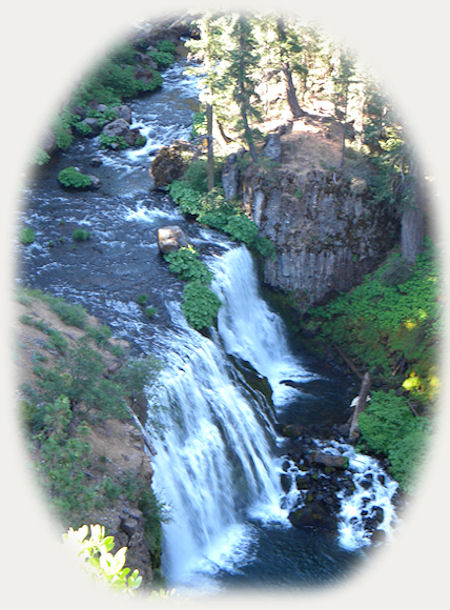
215, 466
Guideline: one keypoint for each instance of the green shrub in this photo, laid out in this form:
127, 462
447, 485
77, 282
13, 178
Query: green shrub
108, 115
198, 124
71, 177
163, 59
186, 197
380, 326
389, 428
396, 271
196, 175
150, 312
184, 263
83, 128
81, 235
116, 142
79, 376
200, 304
64, 457
100, 334
140, 141
71, 314
242, 229
166, 46
97, 559
142, 299
41, 157
27, 236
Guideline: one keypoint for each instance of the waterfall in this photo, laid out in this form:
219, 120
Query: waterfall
215, 465
215, 443
249, 329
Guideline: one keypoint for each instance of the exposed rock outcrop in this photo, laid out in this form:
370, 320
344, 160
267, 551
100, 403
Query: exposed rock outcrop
168, 165
325, 233
171, 238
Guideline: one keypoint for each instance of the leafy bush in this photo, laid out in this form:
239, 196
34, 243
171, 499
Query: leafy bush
41, 157
200, 304
64, 456
163, 59
186, 197
166, 46
150, 312
389, 428
116, 142
97, 559
196, 175
71, 177
184, 263
142, 299
392, 330
27, 236
213, 210
70, 313
83, 129
242, 229
108, 115
81, 235
79, 375
198, 124
140, 141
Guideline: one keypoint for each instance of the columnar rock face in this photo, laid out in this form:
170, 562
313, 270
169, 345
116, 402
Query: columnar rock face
325, 233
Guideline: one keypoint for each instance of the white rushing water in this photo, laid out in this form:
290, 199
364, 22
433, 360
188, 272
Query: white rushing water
215, 466
214, 462
249, 329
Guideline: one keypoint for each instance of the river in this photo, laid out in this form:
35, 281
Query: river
220, 456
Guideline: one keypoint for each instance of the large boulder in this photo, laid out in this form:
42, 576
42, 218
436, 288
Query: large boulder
118, 127
171, 238
124, 112
314, 514
330, 460
93, 125
168, 165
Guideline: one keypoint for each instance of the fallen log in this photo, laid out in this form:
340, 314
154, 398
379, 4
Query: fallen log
347, 361
360, 406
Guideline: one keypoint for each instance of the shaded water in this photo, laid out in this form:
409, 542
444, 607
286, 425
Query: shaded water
219, 457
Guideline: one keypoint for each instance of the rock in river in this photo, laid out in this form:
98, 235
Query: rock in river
171, 238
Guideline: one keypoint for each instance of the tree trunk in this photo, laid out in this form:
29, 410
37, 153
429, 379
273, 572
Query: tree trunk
412, 222
362, 399
411, 241
210, 162
291, 94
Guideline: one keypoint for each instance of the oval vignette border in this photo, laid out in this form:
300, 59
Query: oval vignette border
47, 47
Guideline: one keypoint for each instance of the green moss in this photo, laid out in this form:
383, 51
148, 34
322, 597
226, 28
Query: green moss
71, 177
27, 236
81, 235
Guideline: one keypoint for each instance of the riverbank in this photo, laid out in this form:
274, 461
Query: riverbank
80, 397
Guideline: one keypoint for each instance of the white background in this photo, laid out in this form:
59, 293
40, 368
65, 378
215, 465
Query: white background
46, 47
